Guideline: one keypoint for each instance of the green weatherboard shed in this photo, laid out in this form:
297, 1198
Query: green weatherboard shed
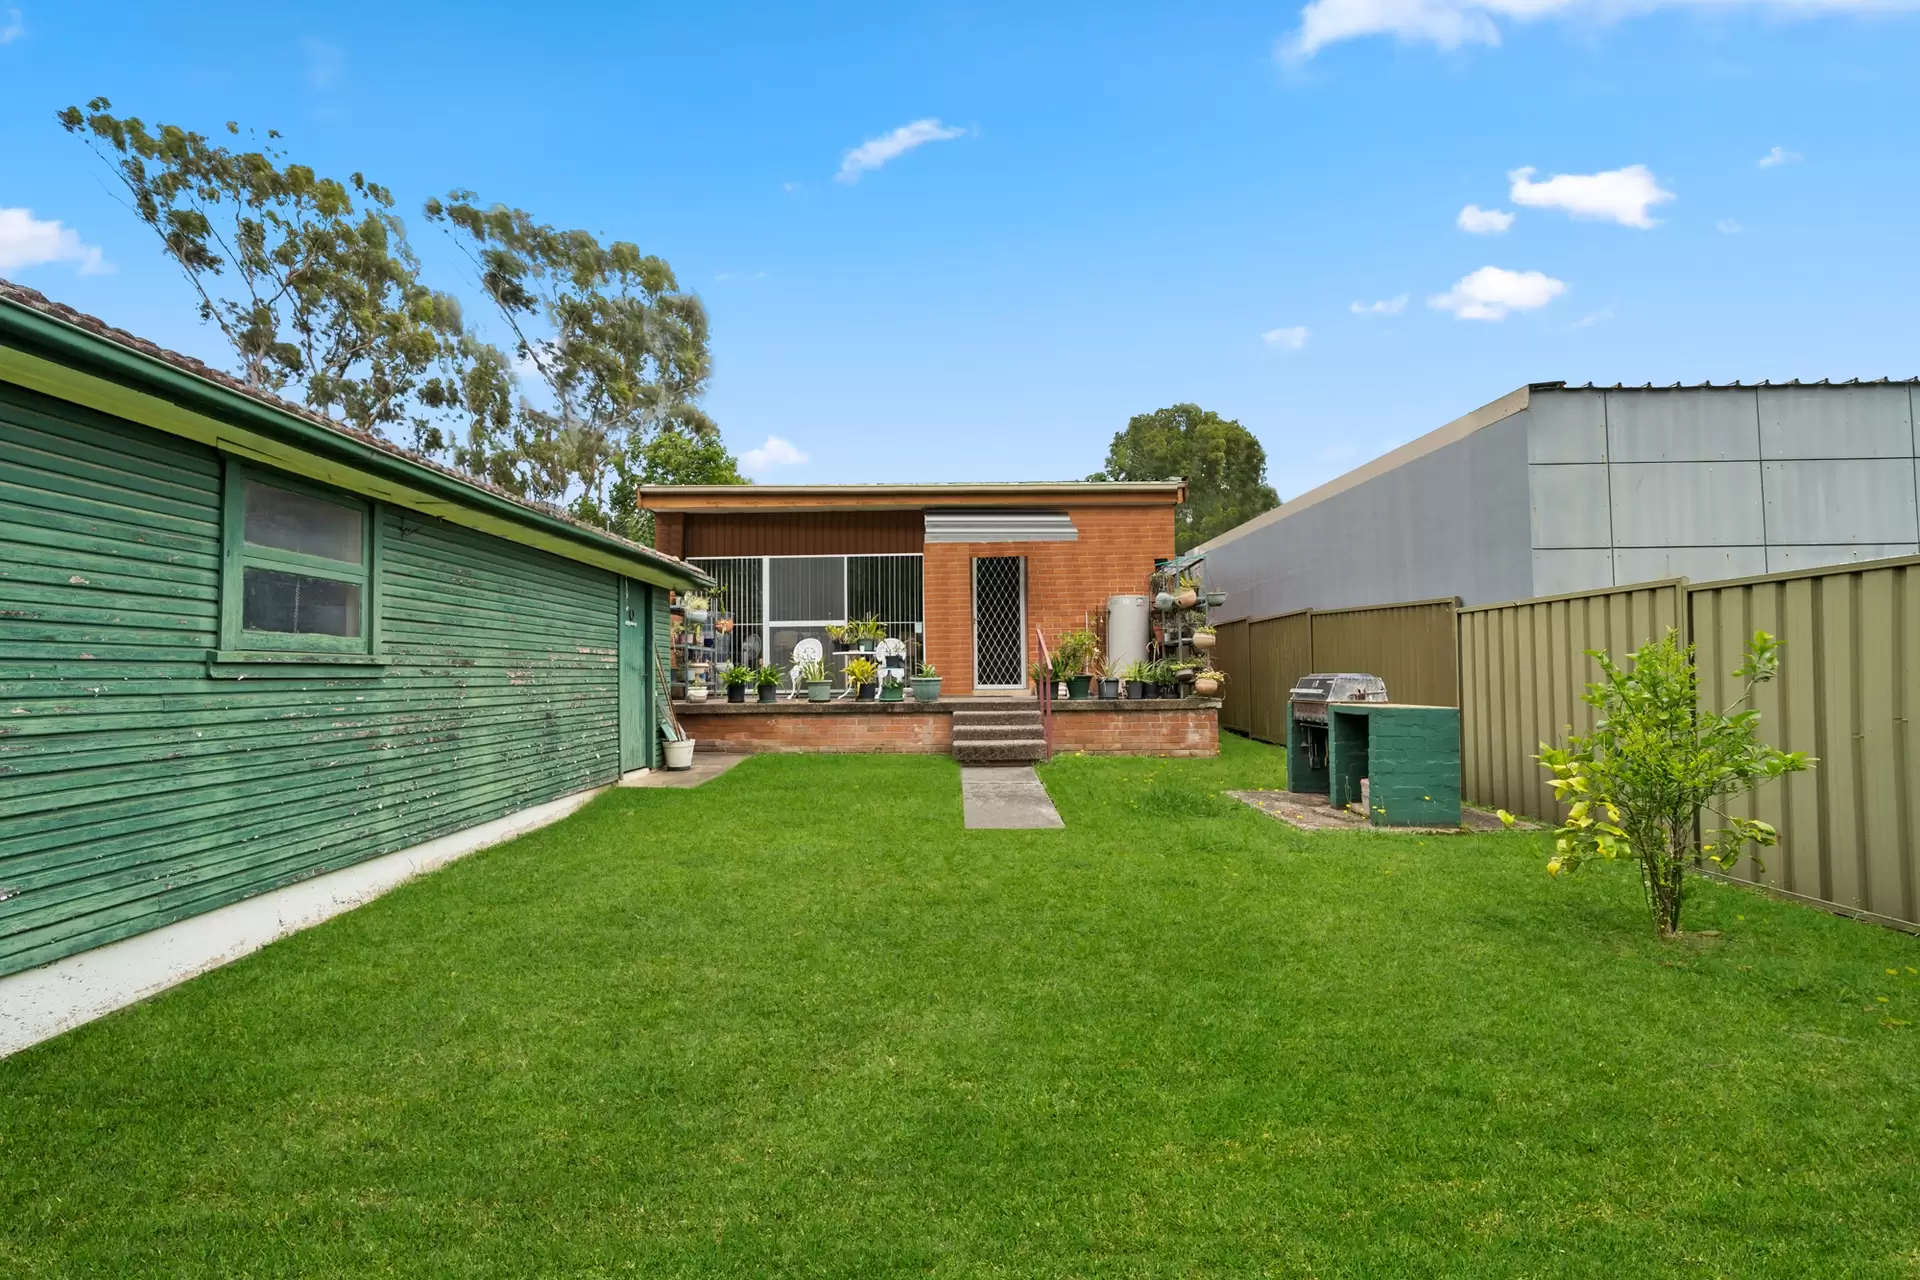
242, 646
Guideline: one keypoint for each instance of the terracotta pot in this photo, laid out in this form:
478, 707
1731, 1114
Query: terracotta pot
724, 625
1204, 639
1206, 688
1186, 597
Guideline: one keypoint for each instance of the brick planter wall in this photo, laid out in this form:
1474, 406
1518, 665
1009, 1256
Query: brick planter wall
1189, 727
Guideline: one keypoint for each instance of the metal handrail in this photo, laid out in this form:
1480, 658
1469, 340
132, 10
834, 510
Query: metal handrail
1046, 692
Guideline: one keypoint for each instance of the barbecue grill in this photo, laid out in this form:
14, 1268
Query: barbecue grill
1308, 699
1307, 704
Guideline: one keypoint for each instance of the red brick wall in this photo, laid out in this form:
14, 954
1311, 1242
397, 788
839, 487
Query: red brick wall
1179, 731
1133, 733
1065, 580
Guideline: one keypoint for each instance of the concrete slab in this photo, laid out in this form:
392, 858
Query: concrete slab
1006, 799
706, 766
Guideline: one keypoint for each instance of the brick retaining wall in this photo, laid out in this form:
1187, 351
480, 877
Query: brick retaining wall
1188, 727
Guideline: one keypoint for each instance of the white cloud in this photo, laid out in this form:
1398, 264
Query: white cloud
1289, 339
1779, 156
1601, 316
1491, 293
1384, 307
27, 241
1616, 195
13, 27
776, 452
1727, 227
1449, 24
326, 62
1483, 222
875, 152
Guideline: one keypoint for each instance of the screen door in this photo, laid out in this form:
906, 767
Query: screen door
999, 622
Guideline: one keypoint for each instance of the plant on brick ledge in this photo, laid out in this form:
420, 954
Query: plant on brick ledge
1651, 781
861, 673
1207, 682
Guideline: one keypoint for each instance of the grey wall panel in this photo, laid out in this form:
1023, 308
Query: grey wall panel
1567, 426
1696, 424
1451, 522
1561, 572
1687, 504
1836, 422
1826, 501
1569, 505
1701, 564
1789, 559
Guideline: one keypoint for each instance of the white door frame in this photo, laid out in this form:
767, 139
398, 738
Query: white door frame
1020, 680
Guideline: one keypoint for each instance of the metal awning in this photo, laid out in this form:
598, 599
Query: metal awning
1015, 524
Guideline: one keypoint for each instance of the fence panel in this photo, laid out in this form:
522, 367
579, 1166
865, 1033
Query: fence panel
1523, 667
1280, 651
1412, 646
1849, 667
1236, 696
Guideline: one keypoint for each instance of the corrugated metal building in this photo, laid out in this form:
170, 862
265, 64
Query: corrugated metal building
242, 646
1555, 489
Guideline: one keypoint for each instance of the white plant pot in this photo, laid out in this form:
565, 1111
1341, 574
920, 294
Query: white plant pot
680, 754
697, 694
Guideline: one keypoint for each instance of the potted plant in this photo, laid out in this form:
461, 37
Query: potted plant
1164, 602
1203, 637
1077, 651
866, 633
697, 608
893, 689
737, 679
1215, 599
679, 753
1207, 682
926, 684
814, 674
1110, 675
838, 634
696, 687
767, 681
1133, 680
722, 620
1187, 593
1166, 679
861, 673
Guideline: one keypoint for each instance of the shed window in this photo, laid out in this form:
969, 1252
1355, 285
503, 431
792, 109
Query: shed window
299, 566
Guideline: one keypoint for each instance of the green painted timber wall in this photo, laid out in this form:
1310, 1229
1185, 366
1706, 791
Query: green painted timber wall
136, 791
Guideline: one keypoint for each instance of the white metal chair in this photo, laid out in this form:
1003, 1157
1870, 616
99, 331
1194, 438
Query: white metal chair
805, 653
891, 654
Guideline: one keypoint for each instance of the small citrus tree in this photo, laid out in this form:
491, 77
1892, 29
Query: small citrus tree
1651, 782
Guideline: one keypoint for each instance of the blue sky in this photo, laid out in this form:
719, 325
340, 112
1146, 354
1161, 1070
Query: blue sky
1110, 208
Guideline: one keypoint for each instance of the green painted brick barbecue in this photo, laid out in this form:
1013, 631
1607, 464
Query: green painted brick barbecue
1410, 756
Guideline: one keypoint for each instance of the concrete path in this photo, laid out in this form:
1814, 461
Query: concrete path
706, 765
1006, 799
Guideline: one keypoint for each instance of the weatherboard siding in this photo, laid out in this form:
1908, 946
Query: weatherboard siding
136, 791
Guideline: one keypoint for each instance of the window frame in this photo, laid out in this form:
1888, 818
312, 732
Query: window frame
237, 555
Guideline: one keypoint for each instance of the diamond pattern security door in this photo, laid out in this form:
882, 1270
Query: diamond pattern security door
999, 622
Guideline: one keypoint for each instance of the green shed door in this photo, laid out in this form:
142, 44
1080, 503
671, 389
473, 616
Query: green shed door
635, 715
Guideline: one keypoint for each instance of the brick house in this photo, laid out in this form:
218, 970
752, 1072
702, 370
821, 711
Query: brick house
964, 572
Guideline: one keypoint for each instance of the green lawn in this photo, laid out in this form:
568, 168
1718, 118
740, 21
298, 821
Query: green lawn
798, 1022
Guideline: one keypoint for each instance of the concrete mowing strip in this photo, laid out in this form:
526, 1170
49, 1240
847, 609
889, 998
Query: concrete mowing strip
1006, 799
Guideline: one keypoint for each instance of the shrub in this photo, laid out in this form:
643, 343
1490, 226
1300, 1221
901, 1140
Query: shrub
1650, 783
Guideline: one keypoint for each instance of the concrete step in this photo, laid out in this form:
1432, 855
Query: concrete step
1001, 751
993, 732
1023, 718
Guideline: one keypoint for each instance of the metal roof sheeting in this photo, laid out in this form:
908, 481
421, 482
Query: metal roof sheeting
988, 525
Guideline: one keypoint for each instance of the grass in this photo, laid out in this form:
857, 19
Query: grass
798, 1022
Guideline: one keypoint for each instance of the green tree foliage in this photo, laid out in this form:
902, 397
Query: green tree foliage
1224, 467
618, 350
314, 285
311, 279
1650, 784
